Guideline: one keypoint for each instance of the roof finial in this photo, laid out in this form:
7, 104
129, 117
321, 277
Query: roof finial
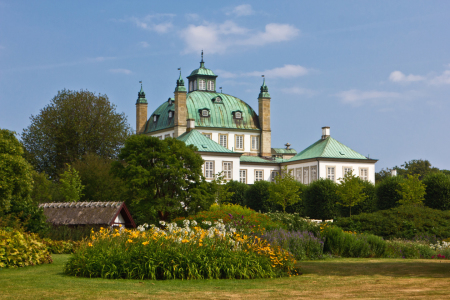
264, 89
202, 55
202, 63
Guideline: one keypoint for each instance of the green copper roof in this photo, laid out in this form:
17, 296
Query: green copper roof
180, 85
257, 159
202, 143
163, 120
327, 148
202, 71
284, 151
264, 90
221, 113
141, 97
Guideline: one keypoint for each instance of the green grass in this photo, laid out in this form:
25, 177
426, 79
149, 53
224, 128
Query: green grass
330, 278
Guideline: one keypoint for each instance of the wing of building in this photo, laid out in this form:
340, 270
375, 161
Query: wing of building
232, 138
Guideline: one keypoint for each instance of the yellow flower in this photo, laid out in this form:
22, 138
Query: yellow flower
145, 243
90, 244
129, 241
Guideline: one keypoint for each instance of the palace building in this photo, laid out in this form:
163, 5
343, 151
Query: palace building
235, 140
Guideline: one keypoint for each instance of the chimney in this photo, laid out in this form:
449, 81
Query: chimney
325, 132
190, 124
393, 172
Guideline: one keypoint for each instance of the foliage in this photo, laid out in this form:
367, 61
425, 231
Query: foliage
388, 192
320, 199
99, 183
242, 218
412, 190
179, 253
43, 188
368, 205
239, 190
70, 185
284, 191
257, 197
16, 181
380, 176
68, 233
404, 222
294, 222
437, 191
18, 249
418, 167
302, 244
60, 247
73, 124
164, 175
222, 190
351, 191
352, 244
400, 248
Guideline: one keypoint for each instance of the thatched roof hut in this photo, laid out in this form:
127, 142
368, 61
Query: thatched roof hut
88, 213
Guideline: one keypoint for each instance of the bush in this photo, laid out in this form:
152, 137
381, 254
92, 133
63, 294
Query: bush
387, 192
178, 253
320, 199
368, 205
61, 247
257, 197
352, 244
69, 233
293, 222
302, 244
239, 190
18, 249
399, 248
437, 191
404, 222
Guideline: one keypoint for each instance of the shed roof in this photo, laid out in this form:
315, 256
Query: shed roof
86, 213
202, 143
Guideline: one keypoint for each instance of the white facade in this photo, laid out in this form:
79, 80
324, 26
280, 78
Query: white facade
266, 169
219, 163
231, 138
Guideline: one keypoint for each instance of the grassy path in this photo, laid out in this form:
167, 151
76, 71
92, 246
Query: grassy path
337, 279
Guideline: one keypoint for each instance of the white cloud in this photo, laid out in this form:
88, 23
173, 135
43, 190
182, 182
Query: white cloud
242, 10
398, 76
144, 44
120, 71
284, 72
441, 79
298, 91
357, 97
217, 38
157, 23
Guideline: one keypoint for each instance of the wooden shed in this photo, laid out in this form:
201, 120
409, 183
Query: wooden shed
88, 213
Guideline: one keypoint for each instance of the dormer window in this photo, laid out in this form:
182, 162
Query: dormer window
205, 113
170, 101
170, 114
238, 115
210, 85
202, 85
217, 100
155, 118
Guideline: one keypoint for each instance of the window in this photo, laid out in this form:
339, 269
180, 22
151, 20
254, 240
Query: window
209, 169
273, 174
223, 140
298, 174
205, 113
227, 168
364, 174
155, 118
202, 85
170, 114
238, 115
243, 175
331, 173
313, 173
255, 142
210, 85
167, 136
259, 175
160, 137
208, 135
239, 143
306, 175
191, 86
195, 85
345, 170
217, 100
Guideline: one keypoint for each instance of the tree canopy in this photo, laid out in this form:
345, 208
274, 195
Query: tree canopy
418, 167
163, 175
350, 191
73, 124
284, 191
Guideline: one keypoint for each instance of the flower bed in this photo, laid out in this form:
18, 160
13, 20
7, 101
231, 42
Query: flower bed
190, 252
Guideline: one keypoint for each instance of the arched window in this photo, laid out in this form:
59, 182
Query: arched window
190, 86
205, 113
210, 85
202, 85
238, 115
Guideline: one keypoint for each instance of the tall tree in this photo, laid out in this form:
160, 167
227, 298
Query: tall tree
416, 167
284, 191
73, 124
163, 175
70, 186
350, 191
413, 190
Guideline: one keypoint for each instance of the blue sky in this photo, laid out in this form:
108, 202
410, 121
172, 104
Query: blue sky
376, 72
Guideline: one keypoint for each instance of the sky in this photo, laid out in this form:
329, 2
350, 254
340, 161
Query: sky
376, 72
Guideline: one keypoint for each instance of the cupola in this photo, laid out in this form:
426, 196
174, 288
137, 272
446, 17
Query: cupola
141, 97
202, 79
264, 90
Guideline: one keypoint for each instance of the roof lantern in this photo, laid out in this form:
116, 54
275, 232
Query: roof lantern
202, 79
141, 96
180, 84
264, 90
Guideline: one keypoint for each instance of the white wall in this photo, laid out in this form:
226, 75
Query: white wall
163, 134
231, 138
251, 171
218, 159
339, 165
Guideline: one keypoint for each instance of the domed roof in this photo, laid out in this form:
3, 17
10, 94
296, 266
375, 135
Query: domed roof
202, 71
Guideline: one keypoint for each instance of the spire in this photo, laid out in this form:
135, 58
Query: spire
202, 63
141, 96
180, 84
264, 90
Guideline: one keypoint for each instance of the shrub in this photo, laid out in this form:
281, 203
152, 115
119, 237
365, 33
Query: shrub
399, 248
437, 191
293, 222
18, 249
302, 244
257, 197
239, 190
401, 222
179, 253
368, 205
387, 192
320, 199
68, 233
60, 247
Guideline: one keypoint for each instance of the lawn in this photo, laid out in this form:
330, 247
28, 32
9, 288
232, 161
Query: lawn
333, 278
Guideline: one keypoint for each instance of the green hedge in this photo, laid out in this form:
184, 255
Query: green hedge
437, 191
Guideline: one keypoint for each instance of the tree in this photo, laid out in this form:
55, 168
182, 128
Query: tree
437, 191
416, 167
70, 186
350, 191
387, 192
320, 199
43, 188
163, 176
284, 191
257, 197
73, 124
222, 190
239, 190
412, 191
99, 183
379, 176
